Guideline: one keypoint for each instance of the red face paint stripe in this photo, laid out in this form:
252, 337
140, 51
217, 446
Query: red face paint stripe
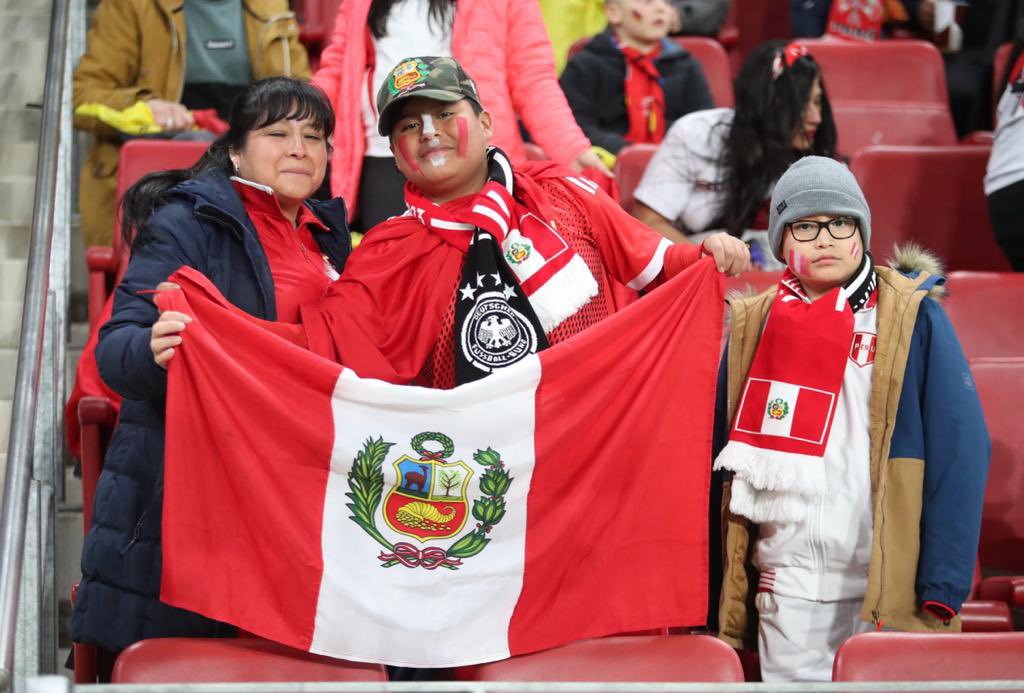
853, 249
403, 149
463, 126
797, 262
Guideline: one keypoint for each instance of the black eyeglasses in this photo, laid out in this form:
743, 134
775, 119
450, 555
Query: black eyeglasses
808, 229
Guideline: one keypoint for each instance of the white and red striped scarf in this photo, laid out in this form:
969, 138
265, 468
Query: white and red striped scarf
782, 423
517, 213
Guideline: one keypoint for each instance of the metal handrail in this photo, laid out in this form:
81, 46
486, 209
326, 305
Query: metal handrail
26, 393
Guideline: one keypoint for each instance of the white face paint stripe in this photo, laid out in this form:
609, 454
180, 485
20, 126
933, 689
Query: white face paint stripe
428, 124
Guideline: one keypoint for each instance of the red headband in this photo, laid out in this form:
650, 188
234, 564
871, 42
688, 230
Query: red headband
786, 57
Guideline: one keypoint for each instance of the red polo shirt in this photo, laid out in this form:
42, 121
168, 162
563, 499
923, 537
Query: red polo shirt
300, 270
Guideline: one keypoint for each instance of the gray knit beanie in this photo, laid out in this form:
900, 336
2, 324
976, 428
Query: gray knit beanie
816, 185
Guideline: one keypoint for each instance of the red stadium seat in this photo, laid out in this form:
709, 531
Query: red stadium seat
1000, 383
930, 657
221, 660
985, 616
863, 123
675, 658
932, 196
629, 169
715, 63
138, 157
972, 300
96, 417
1008, 589
897, 71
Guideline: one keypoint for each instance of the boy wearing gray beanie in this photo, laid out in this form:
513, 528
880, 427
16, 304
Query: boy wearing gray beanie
828, 475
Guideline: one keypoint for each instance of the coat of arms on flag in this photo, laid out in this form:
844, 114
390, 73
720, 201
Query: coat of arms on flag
428, 500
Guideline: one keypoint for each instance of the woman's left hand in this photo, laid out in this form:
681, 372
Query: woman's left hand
732, 255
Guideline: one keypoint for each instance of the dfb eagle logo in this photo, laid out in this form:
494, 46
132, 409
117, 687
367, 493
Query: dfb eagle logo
495, 332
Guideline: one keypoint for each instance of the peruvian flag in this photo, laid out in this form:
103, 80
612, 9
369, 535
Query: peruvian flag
785, 410
564, 497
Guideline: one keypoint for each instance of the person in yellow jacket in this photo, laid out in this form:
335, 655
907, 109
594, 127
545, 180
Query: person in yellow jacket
570, 20
139, 51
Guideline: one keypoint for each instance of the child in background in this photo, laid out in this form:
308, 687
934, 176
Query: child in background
856, 434
630, 83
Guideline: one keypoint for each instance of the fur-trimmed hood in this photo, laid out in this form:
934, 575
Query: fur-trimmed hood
912, 259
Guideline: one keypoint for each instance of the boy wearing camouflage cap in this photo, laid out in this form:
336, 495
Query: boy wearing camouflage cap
490, 262
829, 473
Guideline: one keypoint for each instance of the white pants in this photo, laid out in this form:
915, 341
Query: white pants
797, 639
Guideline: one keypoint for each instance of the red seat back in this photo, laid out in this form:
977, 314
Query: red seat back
629, 169
220, 660
715, 62
901, 71
930, 657
1000, 383
677, 658
974, 297
863, 123
144, 156
932, 196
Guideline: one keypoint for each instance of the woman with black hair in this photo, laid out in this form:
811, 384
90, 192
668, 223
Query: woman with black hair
1004, 178
716, 168
242, 217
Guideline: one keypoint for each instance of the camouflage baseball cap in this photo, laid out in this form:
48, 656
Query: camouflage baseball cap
429, 76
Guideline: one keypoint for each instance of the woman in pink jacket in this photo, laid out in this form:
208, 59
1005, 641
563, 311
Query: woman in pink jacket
502, 43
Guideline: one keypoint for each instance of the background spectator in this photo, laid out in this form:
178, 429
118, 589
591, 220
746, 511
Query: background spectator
1004, 179
716, 168
140, 51
502, 42
267, 252
699, 17
630, 83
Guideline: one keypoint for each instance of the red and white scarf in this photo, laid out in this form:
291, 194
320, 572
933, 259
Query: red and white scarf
517, 213
782, 423
645, 98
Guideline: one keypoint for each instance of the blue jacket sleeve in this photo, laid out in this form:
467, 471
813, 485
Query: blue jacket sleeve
123, 355
940, 421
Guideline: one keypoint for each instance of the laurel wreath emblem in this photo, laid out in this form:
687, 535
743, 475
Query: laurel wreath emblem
366, 488
778, 408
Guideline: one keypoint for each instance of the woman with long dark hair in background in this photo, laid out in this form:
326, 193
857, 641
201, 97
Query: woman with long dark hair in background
1004, 179
502, 43
716, 168
242, 217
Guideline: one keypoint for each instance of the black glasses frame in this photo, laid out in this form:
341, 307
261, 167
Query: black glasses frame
823, 225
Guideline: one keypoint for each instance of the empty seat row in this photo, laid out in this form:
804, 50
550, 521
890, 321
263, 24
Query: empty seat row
667, 658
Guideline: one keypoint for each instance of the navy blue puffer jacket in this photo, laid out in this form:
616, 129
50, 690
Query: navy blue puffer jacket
202, 225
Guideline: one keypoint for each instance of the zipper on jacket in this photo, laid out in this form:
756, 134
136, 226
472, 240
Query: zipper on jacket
176, 47
137, 532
